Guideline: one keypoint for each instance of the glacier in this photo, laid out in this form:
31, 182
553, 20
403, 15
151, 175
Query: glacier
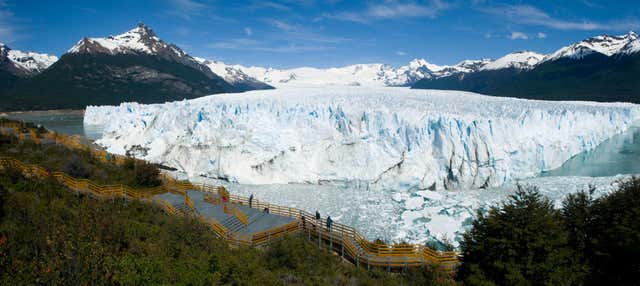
385, 137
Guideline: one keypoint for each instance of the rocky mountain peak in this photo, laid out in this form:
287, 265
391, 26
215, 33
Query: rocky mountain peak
604, 44
24, 63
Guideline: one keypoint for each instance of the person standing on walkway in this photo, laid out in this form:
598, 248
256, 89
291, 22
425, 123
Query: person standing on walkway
329, 223
251, 200
317, 222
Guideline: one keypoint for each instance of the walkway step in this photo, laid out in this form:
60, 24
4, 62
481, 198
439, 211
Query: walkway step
233, 224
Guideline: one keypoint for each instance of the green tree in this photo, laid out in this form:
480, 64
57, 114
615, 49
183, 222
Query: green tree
577, 217
146, 175
521, 242
615, 237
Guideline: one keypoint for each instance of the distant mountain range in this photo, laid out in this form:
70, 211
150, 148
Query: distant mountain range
134, 66
375, 74
139, 66
603, 68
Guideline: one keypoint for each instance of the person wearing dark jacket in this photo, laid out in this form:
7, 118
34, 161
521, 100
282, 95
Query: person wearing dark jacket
329, 223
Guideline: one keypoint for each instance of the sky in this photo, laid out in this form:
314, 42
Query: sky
329, 33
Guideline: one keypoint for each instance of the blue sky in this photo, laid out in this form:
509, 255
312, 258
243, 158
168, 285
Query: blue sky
319, 33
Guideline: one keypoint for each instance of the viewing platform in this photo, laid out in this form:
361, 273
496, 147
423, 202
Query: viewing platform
232, 217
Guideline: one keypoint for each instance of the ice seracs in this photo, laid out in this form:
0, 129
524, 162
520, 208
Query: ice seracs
384, 137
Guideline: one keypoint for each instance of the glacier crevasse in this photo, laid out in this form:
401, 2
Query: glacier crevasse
382, 136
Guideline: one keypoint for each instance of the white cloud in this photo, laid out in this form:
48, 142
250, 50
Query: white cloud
189, 5
530, 15
294, 33
401, 53
391, 10
541, 35
187, 9
243, 44
248, 31
7, 24
282, 25
518, 36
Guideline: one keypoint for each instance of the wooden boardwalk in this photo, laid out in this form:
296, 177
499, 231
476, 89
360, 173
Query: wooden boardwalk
231, 217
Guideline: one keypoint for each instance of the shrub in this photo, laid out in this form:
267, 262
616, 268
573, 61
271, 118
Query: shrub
521, 242
614, 236
75, 166
146, 175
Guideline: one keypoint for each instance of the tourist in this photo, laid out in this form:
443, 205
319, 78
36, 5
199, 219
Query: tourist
329, 222
251, 200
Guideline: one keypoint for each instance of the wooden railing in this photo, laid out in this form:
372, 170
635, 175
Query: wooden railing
188, 201
351, 244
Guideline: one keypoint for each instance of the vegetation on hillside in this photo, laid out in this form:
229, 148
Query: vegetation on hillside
57, 237
528, 242
80, 164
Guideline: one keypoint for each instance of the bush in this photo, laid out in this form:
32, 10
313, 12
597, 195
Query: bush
614, 236
76, 167
129, 163
146, 175
521, 242
526, 241
81, 241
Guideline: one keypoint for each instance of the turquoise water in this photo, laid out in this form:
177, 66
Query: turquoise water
67, 123
618, 155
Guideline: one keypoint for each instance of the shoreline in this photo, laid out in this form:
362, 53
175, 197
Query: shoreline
43, 112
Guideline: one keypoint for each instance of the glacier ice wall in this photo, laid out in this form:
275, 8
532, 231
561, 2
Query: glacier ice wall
386, 137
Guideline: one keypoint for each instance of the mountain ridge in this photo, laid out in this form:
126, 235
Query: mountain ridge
601, 68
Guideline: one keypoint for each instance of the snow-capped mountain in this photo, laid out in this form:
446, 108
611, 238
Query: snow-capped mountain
353, 75
601, 68
523, 60
139, 40
603, 44
375, 74
233, 75
22, 63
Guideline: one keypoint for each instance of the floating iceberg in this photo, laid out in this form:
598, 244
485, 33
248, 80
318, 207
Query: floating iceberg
382, 137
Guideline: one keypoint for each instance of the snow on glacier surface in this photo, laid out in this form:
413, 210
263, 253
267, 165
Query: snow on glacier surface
389, 138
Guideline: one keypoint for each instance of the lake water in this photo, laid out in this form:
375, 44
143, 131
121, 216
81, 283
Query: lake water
618, 155
67, 122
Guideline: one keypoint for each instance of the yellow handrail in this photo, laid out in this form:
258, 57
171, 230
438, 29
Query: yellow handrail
374, 253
